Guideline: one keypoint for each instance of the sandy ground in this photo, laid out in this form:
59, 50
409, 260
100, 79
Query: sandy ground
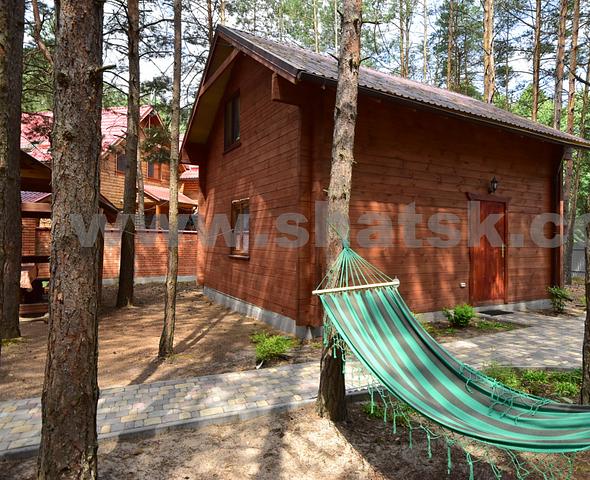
129, 338
295, 445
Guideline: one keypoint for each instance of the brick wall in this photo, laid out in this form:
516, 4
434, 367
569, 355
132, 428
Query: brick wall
150, 252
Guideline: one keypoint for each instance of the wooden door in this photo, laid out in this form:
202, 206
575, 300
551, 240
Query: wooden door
488, 262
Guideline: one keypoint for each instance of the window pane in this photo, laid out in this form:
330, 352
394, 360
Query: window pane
151, 170
236, 119
121, 162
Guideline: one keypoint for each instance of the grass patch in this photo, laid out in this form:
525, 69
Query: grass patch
11, 341
270, 347
494, 326
556, 384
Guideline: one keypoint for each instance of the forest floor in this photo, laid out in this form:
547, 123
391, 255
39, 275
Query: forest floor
209, 339
296, 444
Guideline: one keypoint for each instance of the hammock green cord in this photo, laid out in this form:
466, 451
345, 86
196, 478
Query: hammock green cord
411, 368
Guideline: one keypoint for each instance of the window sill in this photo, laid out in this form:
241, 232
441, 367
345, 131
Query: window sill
239, 257
231, 147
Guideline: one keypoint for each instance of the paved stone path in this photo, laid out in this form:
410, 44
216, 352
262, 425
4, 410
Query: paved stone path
155, 407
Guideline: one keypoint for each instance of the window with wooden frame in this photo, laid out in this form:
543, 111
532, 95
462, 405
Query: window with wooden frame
240, 224
153, 170
121, 162
231, 136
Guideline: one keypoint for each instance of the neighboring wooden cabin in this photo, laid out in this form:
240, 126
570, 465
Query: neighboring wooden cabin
261, 132
35, 130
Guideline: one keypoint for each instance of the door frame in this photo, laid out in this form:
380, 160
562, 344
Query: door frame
488, 197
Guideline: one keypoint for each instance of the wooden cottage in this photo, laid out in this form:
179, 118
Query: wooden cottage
261, 132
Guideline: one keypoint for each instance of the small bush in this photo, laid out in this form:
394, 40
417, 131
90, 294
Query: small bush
459, 316
506, 375
269, 347
558, 296
567, 389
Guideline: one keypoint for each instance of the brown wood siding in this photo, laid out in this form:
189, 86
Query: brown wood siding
406, 156
263, 168
112, 182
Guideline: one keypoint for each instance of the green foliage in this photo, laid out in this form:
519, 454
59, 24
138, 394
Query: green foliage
505, 375
559, 297
269, 347
545, 383
156, 145
459, 316
491, 325
467, 56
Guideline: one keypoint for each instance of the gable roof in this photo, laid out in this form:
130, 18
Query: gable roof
33, 197
162, 194
299, 64
191, 172
36, 128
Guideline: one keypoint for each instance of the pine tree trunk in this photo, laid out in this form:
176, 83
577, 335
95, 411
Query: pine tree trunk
559, 65
11, 40
210, 31
68, 447
140, 192
425, 44
451, 46
222, 12
489, 79
331, 400
402, 38
570, 190
127, 260
167, 339
536, 61
11, 45
336, 25
316, 27
585, 390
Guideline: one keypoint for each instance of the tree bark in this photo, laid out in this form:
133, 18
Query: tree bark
140, 192
571, 181
127, 260
425, 44
489, 79
210, 29
451, 46
402, 38
536, 60
336, 25
316, 27
585, 391
559, 65
11, 63
167, 338
331, 400
68, 447
222, 12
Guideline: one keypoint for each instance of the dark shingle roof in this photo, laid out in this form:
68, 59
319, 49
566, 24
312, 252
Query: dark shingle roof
304, 64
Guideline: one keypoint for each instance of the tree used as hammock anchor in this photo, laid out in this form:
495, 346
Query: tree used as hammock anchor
363, 305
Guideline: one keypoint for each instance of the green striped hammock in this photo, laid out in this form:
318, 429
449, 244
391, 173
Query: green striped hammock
365, 308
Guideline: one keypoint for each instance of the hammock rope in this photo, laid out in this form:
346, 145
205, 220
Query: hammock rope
369, 318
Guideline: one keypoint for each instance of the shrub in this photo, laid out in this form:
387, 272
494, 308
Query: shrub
567, 389
269, 347
558, 296
459, 316
506, 375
